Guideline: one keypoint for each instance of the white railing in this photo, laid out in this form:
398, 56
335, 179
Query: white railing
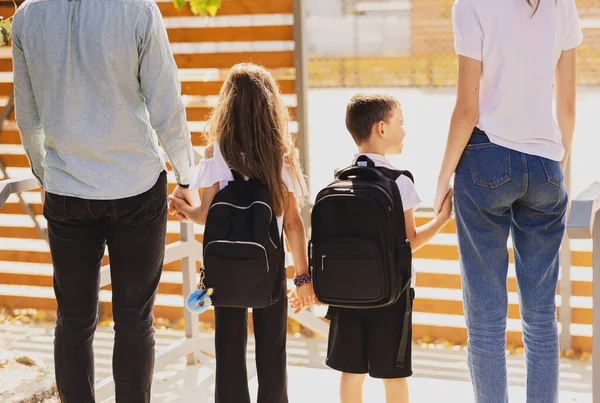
584, 223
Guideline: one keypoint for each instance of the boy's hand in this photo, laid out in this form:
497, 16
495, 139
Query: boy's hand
306, 294
446, 209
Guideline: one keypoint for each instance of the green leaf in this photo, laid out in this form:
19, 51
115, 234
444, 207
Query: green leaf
212, 6
198, 7
5, 30
179, 4
8, 26
5, 36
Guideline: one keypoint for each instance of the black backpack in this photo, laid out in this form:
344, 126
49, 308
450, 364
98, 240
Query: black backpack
359, 253
243, 250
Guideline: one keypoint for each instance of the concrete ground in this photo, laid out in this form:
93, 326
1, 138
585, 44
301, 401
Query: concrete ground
440, 375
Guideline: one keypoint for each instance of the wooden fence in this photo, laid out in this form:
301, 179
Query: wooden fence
25, 264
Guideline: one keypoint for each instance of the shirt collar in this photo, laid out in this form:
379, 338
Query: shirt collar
378, 159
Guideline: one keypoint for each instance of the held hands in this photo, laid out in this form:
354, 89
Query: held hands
443, 205
302, 297
443, 187
445, 213
184, 203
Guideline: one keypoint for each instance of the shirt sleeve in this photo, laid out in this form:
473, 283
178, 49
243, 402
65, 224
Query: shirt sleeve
468, 34
159, 79
27, 114
297, 186
408, 193
211, 170
573, 32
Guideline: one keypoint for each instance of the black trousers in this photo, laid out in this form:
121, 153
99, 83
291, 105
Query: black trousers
231, 339
134, 229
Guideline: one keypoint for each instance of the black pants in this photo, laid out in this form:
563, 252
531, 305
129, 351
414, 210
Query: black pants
231, 339
134, 229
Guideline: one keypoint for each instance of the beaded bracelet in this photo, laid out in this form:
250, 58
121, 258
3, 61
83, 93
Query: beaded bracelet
304, 279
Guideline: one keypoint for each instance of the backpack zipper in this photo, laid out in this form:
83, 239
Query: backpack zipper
242, 243
243, 207
246, 208
323, 262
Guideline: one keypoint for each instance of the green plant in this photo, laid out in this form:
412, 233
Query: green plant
200, 7
5, 29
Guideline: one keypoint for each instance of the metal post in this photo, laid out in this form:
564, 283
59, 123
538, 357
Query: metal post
188, 267
302, 142
596, 312
566, 262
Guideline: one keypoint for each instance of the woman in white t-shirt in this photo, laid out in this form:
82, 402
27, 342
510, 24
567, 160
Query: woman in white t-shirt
508, 153
249, 135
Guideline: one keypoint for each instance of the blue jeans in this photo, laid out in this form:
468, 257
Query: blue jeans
497, 191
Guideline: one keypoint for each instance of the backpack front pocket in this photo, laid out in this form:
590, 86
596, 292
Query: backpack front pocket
347, 270
239, 273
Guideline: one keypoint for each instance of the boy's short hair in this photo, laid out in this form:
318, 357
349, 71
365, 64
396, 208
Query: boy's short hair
364, 110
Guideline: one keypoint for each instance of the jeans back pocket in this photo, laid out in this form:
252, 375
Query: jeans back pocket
490, 165
554, 172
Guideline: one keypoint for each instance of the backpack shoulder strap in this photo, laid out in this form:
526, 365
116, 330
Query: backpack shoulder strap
395, 173
236, 175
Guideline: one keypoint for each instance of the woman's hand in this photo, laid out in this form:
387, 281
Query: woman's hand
443, 189
446, 210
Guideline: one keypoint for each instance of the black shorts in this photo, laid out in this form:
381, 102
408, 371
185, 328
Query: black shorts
365, 341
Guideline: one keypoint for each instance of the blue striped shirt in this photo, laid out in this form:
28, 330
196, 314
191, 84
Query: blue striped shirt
96, 89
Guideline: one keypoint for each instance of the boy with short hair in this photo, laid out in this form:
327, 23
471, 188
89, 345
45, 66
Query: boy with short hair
365, 341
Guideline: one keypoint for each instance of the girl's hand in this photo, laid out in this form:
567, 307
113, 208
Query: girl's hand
294, 302
184, 210
302, 297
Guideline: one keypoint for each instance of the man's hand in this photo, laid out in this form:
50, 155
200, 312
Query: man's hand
190, 196
43, 194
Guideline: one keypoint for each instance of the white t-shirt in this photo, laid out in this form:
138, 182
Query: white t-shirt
408, 193
216, 170
519, 55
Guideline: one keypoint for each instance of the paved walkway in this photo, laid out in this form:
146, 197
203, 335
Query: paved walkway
440, 375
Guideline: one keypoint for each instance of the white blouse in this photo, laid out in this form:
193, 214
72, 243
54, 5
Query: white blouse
216, 170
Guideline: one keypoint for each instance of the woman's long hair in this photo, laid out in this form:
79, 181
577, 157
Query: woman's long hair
536, 5
250, 124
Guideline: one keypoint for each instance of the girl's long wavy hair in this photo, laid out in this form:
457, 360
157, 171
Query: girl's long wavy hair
250, 124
